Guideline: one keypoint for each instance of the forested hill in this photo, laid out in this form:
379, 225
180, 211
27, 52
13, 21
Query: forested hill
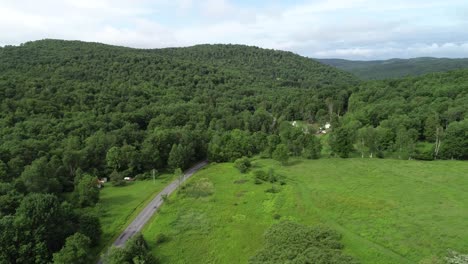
286, 68
58, 97
396, 68
73, 112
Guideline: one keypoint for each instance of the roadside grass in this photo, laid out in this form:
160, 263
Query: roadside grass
388, 211
118, 206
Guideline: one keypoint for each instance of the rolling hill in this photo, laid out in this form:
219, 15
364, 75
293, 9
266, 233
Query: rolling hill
396, 68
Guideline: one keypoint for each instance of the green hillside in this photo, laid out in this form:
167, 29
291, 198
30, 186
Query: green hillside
55, 93
396, 68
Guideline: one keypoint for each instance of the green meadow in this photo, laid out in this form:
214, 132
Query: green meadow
388, 211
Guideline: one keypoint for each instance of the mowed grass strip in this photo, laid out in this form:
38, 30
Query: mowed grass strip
389, 211
118, 206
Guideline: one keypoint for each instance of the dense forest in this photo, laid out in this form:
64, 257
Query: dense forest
73, 112
396, 68
392, 117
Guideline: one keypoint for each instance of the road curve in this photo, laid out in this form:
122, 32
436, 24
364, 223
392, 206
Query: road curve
145, 214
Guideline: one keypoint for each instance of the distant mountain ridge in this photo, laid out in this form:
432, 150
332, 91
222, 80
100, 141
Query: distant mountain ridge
396, 68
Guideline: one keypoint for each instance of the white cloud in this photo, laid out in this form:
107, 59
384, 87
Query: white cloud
362, 29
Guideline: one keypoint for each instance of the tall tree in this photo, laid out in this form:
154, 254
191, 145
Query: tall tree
431, 124
176, 157
86, 192
281, 154
75, 251
39, 177
341, 141
405, 142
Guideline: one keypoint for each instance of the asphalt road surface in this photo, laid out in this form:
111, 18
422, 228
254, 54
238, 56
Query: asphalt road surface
153, 206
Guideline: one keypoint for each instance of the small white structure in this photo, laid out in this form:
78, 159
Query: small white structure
128, 179
327, 125
294, 123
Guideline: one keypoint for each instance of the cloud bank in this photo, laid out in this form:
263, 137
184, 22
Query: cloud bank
352, 29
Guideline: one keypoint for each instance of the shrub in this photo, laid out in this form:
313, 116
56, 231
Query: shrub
161, 238
289, 242
117, 178
271, 176
273, 189
200, 188
243, 164
261, 175
258, 181
241, 181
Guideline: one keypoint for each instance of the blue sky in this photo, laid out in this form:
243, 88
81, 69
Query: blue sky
350, 29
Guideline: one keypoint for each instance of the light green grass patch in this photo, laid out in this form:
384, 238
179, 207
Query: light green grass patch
389, 211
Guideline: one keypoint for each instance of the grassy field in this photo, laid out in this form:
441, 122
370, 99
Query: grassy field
388, 211
119, 205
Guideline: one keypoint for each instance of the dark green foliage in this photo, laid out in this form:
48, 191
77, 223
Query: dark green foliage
3, 171
277, 216
37, 229
8, 236
86, 191
243, 164
75, 251
396, 68
270, 176
90, 226
425, 107
38, 177
273, 189
162, 238
289, 242
180, 156
260, 176
117, 179
281, 154
10, 199
136, 251
230, 146
312, 147
455, 144
341, 141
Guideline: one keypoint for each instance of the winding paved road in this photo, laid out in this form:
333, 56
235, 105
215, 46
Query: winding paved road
153, 206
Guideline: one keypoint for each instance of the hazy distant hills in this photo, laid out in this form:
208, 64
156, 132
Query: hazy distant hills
396, 68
